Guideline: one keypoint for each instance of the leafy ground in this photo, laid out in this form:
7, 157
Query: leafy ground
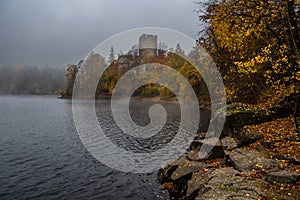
278, 144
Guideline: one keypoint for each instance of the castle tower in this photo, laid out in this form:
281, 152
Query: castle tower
147, 45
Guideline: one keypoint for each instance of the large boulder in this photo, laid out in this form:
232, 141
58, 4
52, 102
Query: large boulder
196, 183
283, 177
223, 183
246, 160
185, 172
229, 143
165, 173
237, 116
205, 149
175, 177
245, 137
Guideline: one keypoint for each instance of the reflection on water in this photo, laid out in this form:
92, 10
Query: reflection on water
42, 157
139, 114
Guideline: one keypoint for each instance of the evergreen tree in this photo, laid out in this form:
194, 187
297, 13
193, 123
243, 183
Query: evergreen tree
112, 56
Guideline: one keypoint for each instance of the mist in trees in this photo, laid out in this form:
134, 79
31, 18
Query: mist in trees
31, 80
116, 67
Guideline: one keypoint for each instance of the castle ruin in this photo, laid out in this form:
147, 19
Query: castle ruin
148, 45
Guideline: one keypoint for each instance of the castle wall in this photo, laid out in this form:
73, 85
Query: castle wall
148, 45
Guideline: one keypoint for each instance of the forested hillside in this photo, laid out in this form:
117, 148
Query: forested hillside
31, 80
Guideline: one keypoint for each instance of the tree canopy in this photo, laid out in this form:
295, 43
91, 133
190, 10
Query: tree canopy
256, 41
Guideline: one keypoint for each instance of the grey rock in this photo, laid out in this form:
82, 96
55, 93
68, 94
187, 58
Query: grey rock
195, 145
186, 172
226, 183
206, 149
213, 194
180, 161
247, 191
223, 176
197, 181
229, 143
214, 180
283, 177
244, 137
164, 174
245, 161
253, 187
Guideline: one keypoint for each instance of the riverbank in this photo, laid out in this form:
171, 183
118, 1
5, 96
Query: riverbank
156, 98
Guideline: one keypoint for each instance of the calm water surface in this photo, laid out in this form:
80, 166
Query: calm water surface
42, 157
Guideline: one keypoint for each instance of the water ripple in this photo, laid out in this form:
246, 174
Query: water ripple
42, 156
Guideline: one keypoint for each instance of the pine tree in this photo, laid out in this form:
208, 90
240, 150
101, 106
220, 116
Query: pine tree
111, 57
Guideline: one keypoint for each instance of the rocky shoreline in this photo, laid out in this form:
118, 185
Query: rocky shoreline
232, 170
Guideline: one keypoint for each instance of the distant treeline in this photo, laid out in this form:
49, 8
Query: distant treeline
31, 80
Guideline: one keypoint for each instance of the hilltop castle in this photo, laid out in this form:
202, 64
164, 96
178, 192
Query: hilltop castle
148, 48
147, 45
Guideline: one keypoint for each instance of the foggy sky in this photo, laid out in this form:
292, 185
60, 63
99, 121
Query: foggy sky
58, 32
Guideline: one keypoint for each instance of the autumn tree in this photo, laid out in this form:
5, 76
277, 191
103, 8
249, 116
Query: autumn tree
255, 44
193, 76
70, 76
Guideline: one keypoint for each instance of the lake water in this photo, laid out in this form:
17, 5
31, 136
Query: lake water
42, 157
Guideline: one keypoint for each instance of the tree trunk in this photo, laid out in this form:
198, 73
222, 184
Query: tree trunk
297, 117
294, 38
